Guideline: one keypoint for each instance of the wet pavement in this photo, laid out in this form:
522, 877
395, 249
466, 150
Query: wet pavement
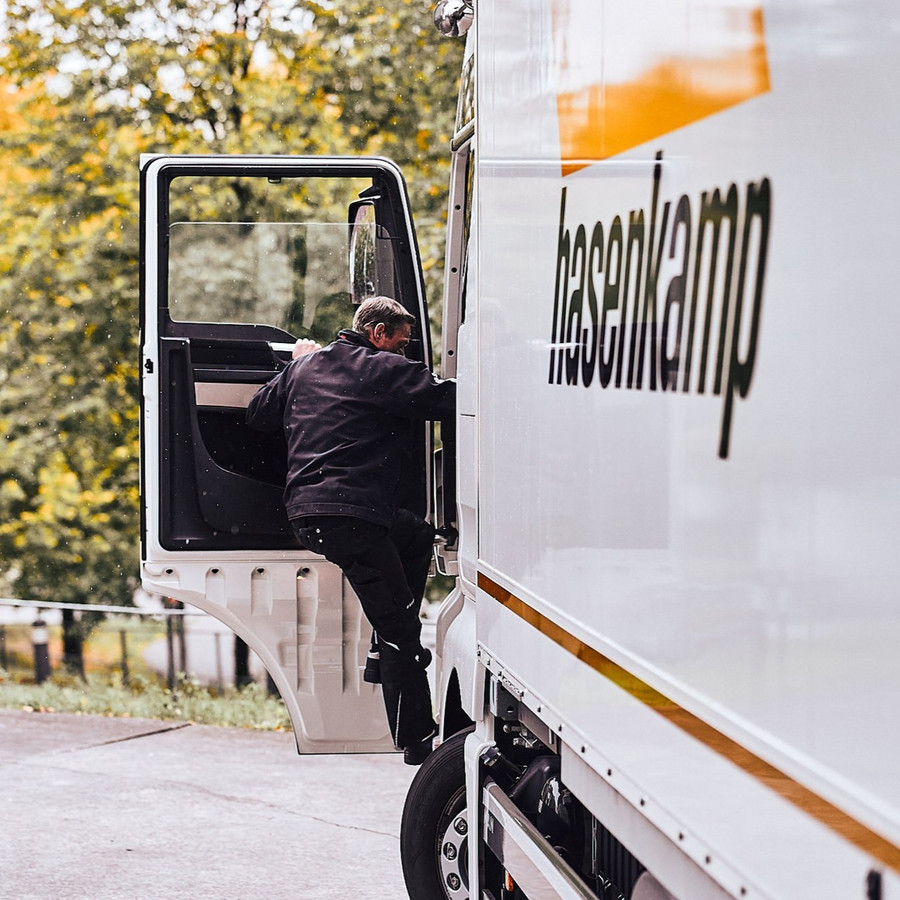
103, 808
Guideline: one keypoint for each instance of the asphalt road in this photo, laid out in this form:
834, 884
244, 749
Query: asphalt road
99, 808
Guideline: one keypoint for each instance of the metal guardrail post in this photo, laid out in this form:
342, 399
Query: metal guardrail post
39, 641
123, 642
180, 625
170, 655
220, 677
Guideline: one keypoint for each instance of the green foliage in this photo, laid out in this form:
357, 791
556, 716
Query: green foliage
68, 409
93, 86
247, 707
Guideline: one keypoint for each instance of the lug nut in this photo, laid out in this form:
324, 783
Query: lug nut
461, 826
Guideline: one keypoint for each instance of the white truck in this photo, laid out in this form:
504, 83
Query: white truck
670, 666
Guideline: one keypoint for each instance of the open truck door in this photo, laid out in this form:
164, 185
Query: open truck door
241, 256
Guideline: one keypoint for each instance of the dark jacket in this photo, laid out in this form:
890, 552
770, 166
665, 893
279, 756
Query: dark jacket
346, 413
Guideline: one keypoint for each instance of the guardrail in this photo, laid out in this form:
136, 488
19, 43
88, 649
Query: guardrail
40, 616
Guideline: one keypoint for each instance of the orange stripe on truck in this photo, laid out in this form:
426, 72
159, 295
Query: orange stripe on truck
795, 793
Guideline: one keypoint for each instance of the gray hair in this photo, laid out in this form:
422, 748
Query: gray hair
381, 309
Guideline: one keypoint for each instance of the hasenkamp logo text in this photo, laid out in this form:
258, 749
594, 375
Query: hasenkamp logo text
614, 326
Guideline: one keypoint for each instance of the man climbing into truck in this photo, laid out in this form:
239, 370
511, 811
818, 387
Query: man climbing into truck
346, 411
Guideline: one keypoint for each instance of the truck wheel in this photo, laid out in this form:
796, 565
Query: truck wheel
434, 827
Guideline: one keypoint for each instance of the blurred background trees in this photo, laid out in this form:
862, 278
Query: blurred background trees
84, 90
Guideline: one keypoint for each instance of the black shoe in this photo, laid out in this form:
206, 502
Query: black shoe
416, 754
372, 671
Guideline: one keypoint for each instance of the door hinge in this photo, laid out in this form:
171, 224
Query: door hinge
148, 366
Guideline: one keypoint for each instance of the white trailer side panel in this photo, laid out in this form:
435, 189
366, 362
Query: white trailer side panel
736, 553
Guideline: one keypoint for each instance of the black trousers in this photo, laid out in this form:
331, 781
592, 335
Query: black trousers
387, 568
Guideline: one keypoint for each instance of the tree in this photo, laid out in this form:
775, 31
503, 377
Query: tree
94, 87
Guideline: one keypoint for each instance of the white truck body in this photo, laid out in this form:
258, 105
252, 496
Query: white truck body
672, 254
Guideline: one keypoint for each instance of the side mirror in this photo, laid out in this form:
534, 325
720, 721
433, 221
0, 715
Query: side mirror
371, 253
453, 18
362, 258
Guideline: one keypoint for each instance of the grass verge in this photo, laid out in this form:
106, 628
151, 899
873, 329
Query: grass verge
247, 707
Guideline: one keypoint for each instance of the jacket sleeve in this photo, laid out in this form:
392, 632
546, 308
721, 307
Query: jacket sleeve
265, 412
412, 391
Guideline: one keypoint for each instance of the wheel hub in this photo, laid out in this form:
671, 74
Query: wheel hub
453, 856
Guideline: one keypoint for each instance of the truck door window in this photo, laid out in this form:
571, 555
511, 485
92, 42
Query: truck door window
263, 251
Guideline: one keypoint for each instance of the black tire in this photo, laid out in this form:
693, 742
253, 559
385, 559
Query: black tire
433, 816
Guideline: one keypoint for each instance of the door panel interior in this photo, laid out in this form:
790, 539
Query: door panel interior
222, 482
